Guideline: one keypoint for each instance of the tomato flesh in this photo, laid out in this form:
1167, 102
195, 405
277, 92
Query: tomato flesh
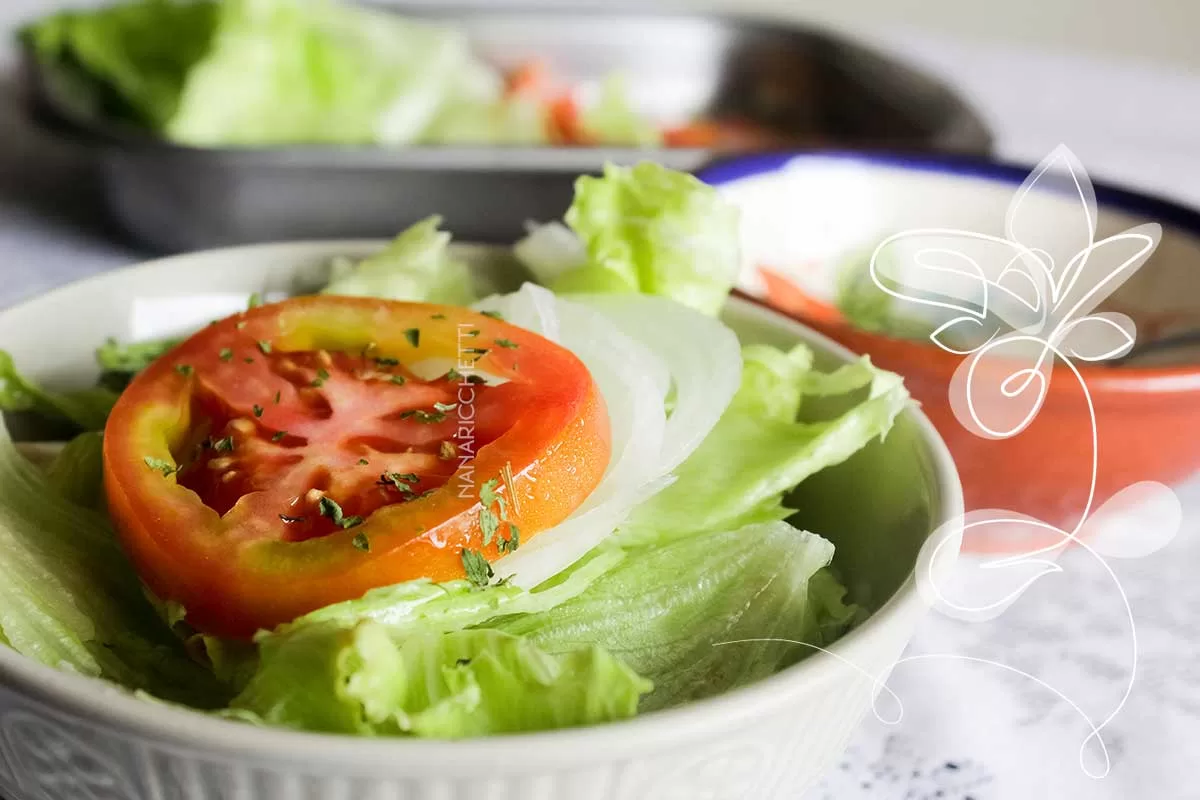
325, 446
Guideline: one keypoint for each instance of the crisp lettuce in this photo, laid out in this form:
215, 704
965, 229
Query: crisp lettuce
613, 120
77, 472
257, 72
416, 266
120, 362
644, 229
366, 680
126, 61
681, 609
87, 408
442, 607
549, 250
503, 121
269, 72
282, 71
69, 598
869, 307
478, 111
759, 450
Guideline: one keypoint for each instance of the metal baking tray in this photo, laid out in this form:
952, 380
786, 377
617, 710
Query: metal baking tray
809, 87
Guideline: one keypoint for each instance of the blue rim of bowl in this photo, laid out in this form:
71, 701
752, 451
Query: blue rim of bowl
1157, 209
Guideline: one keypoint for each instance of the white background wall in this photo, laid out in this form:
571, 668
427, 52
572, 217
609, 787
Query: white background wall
1165, 31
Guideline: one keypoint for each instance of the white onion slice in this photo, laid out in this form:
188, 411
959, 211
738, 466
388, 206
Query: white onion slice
636, 351
532, 308
703, 356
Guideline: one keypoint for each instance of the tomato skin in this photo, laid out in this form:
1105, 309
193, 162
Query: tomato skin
240, 571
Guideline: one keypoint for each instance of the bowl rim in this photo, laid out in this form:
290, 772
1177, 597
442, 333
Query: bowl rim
1179, 378
175, 727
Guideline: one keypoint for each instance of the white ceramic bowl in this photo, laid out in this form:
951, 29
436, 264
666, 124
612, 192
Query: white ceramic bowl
67, 737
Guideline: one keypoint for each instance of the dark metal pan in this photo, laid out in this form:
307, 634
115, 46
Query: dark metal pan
806, 88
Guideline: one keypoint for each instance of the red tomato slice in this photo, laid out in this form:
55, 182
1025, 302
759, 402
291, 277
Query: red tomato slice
307, 463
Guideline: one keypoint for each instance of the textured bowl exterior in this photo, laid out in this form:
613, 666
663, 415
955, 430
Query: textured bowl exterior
48, 753
69, 737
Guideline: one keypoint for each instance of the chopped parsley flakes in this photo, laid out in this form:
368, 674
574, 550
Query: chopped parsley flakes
512, 542
329, 508
424, 417
361, 542
507, 344
226, 354
479, 571
489, 523
414, 336
165, 467
400, 480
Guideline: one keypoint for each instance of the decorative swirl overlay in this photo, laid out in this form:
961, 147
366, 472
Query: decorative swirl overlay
1013, 306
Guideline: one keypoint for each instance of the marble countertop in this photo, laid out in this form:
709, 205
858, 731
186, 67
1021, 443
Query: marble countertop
969, 730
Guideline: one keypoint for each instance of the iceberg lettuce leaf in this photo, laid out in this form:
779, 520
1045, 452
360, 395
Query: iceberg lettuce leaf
367, 680
87, 409
288, 71
652, 230
700, 613
416, 266
70, 599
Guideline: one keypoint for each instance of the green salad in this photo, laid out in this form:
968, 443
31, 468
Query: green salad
271, 72
278, 518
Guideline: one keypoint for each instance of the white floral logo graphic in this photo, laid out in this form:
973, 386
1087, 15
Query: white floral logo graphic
1014, 306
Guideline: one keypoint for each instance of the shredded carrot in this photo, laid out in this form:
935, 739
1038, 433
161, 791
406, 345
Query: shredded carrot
565, 123
789, 298
531, 78
698, 133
